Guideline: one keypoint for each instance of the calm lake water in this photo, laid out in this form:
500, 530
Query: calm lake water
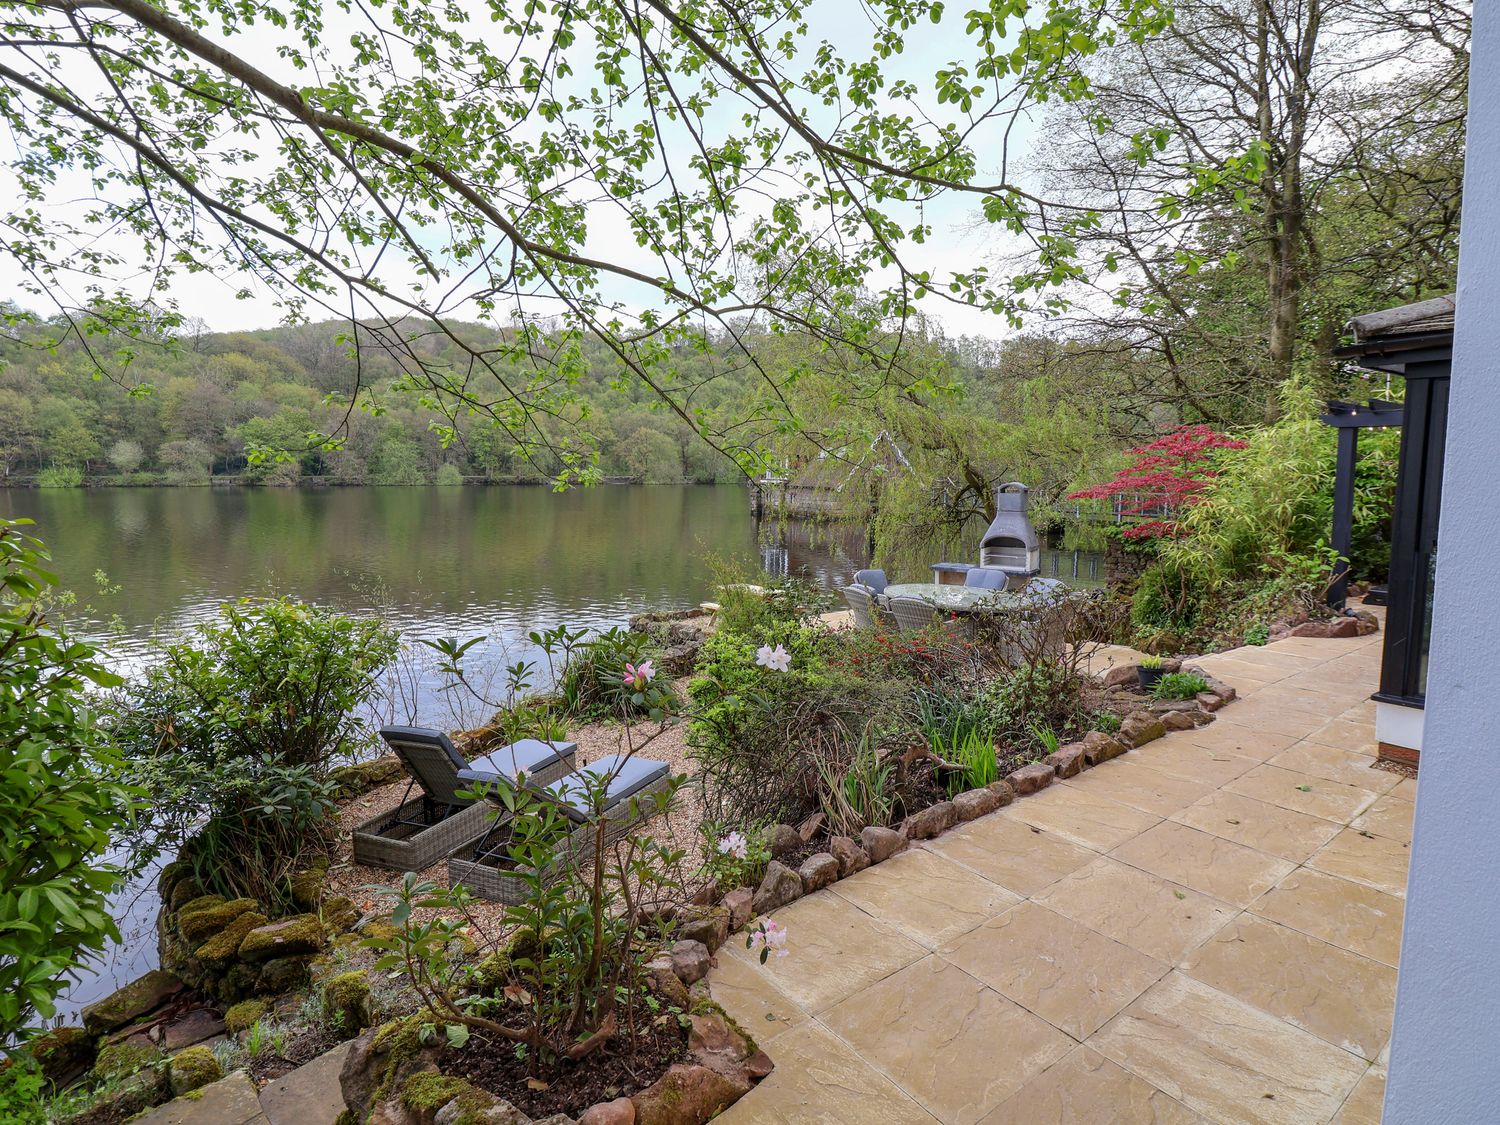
462, 562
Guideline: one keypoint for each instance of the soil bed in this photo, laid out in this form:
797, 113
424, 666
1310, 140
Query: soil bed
610, 1072
300, 1048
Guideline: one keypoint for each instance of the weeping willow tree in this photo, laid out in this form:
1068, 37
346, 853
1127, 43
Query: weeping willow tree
925, 481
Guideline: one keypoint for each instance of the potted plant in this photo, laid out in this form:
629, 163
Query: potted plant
1149, 670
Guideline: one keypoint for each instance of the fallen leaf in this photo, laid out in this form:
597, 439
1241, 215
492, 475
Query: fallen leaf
536, 1084
1305, 788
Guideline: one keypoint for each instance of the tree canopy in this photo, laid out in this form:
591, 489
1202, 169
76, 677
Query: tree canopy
645, 172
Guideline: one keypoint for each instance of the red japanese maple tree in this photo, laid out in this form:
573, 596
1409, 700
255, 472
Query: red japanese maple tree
1164, 478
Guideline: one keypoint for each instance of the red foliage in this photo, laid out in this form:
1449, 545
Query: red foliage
1165, 477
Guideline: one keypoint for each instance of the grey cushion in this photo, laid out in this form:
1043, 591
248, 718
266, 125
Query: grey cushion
524, 757
628, 778
873, 578
985, 578
431, 758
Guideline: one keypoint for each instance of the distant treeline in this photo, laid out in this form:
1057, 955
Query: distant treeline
190, 413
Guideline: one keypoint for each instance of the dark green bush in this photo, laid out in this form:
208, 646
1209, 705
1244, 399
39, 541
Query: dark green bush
232, 734
1166, 599
61, 797
589, 684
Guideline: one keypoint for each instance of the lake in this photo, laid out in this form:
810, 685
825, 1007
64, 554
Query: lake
491, 562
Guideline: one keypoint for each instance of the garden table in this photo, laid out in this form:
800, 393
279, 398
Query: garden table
952, 599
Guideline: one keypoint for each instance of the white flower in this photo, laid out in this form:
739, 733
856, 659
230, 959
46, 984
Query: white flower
769, 937
734, 844
776, 659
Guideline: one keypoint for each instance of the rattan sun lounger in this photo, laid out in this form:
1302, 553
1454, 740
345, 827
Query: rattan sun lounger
485, 866
421, 830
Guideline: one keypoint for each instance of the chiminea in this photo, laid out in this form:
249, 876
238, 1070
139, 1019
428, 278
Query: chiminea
1010, 542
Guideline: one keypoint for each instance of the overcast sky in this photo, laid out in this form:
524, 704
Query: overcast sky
215, 299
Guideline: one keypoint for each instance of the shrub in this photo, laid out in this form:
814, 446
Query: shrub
1167, 476
449, 476
60, 476
973, 753
591, 676
748, 607
1179, 685
734, 858
61, 797
1257, 634
759, 735
573, 978
21, 1085
1166, 599
1271, 499
1039, 697
236, 728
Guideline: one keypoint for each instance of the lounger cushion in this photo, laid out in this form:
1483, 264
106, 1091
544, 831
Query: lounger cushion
524, 757
431, 758
629, 778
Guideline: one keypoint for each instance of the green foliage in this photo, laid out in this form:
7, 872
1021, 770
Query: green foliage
1166, 599
449, 475
734, 859
1035, 703
1106, 721
233, 731
1257, 634
1179, 685
1270, 500
973, 752
1151, 662
1254, 545
704, 110
751, 609
863, 793
62, 800
59, 476
21, 1085
593, 672
573, 969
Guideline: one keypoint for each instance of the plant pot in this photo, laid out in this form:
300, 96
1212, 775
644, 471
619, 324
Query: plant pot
1147, 677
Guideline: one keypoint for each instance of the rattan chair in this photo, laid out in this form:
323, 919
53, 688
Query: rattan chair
873, 578
913, 614
421, 830
484, 867
858, 598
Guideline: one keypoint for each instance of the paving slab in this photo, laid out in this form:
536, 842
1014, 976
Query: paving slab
309, 1095
1203, 930
230, 1101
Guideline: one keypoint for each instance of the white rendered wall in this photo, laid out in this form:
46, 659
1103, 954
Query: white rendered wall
1399, 725
1445, 1056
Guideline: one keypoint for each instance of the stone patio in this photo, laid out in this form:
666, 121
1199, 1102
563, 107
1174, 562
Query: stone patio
1204, 929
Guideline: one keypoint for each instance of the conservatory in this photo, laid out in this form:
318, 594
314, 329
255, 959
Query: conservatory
1415, 342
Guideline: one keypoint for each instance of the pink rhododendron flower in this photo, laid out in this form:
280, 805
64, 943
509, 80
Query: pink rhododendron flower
734, 844
638, 675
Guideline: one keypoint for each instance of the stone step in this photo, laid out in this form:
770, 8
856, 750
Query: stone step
231, 1100
309, 1095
